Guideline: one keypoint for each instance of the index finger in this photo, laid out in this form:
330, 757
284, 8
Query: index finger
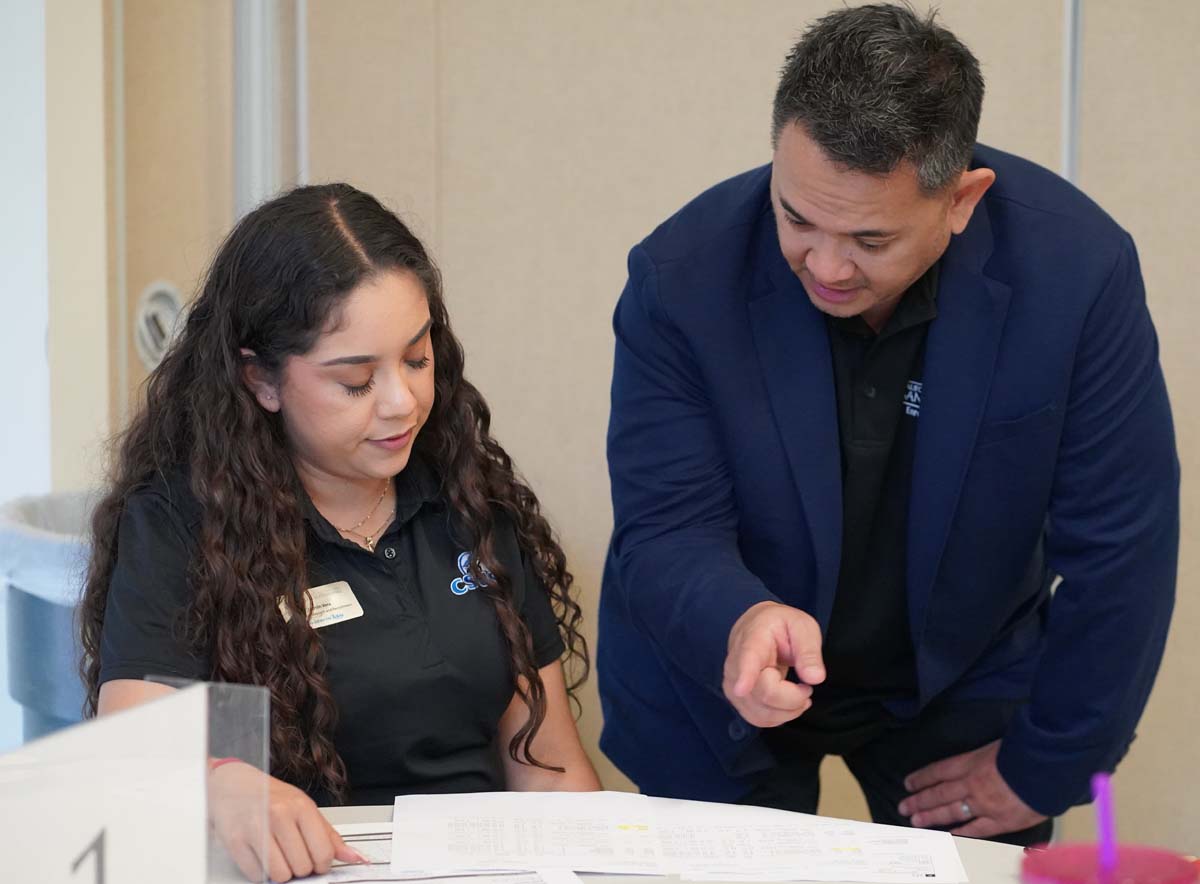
756, 653
342, 851
319, 837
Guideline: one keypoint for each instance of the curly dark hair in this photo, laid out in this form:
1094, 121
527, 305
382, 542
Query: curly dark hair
277, 281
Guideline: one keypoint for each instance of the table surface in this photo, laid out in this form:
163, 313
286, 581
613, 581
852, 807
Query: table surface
986, 862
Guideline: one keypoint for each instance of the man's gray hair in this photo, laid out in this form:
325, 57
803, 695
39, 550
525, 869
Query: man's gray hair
877, 85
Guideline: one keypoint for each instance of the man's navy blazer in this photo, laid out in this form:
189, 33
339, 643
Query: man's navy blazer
1044, 449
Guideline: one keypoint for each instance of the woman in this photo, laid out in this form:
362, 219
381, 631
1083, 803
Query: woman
311, 501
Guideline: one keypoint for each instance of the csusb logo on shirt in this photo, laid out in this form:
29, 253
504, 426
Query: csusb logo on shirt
463, 585
912, 399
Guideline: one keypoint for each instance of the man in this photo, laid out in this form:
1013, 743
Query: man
869, 403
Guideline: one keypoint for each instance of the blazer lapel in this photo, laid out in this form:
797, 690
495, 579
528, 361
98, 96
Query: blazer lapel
793, 349
960, 359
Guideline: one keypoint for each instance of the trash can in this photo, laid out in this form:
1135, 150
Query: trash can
43, 559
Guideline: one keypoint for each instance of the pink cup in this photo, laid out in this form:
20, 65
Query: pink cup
1080, 864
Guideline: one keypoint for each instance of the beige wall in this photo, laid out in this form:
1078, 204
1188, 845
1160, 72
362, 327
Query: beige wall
177, 175
533, 143
1139, 127
78, 259
373, 103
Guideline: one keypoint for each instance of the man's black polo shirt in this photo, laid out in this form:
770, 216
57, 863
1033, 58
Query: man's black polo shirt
867, 647
420, 680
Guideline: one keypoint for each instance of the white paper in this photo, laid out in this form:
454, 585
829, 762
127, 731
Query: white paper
702, 841
614, 832
582, 831
374, 841
382, 872
558, 876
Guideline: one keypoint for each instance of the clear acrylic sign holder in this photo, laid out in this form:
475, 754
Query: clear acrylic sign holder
126, 799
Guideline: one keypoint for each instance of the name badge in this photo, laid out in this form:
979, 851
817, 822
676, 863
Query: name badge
328, 604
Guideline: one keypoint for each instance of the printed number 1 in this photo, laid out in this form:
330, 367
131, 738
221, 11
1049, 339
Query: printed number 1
96, 847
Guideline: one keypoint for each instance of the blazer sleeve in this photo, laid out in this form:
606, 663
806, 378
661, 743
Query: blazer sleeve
680, 575
1113, 536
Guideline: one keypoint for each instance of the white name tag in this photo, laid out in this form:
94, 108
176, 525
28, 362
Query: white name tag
331, 603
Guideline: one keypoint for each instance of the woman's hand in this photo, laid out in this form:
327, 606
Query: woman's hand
299, 840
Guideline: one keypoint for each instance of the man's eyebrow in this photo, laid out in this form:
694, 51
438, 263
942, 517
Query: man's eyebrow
860, 234
365, 358
788, 208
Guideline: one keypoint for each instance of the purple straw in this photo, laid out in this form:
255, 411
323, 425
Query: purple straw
1106, 826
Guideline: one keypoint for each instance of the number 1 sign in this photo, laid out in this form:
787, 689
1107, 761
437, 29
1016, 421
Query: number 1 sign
115, 800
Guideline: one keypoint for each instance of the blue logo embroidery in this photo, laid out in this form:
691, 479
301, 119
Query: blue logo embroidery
463, 585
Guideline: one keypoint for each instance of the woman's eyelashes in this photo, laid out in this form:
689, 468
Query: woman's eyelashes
365, 388
360, 389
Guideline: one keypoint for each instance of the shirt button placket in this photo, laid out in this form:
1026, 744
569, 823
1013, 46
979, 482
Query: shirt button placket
389, 552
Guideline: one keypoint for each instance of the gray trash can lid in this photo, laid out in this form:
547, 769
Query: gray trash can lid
43, 543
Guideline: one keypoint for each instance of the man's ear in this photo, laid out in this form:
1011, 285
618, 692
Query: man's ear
969, 190
259, 382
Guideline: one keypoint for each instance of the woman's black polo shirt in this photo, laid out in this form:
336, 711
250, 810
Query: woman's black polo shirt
420, 680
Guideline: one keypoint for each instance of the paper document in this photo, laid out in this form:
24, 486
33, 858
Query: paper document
582, 832
374, 841
621, 833
703, 841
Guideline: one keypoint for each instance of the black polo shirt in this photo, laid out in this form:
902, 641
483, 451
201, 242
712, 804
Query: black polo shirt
867, 647
420, 680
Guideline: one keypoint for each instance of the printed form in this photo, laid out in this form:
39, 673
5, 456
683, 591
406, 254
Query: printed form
374, 841
622, 833
700, 841
604, 832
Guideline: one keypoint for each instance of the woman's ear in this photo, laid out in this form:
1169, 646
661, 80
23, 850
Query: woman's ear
259, 381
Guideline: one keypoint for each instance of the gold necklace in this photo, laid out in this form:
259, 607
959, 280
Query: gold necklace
369, 539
